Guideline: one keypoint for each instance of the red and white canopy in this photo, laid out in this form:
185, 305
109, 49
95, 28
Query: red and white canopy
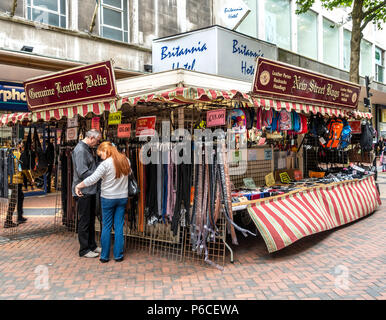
15, 117
96, 108
190, 95
187, 95
285, 219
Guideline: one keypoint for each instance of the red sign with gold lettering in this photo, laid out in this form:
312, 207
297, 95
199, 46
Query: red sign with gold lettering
89, 83
279, 80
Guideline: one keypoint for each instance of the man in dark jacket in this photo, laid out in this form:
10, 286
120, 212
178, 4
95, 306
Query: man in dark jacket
84, 166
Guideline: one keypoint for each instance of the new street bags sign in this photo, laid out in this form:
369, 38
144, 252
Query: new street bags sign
89, 83
279, 80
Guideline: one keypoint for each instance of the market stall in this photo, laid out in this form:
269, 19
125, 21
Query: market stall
336, 181
266, 147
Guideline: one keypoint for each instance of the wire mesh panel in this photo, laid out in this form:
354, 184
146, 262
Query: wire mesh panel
215, 246
24, 212
257, 170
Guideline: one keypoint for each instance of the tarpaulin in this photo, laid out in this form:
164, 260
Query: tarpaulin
285, 219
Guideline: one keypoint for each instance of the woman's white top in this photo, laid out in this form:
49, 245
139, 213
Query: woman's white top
111, 188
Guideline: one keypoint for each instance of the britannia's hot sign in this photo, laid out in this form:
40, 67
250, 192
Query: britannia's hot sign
90, 83
278, 80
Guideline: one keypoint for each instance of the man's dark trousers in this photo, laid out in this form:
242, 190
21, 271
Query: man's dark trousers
86, 224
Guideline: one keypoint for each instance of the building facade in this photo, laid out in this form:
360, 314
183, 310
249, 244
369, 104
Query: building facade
43, 36
319, 40
71, 33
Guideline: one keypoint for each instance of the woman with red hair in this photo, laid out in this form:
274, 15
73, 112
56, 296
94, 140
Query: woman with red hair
113, 171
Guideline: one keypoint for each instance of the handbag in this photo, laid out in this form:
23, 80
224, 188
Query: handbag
132, 186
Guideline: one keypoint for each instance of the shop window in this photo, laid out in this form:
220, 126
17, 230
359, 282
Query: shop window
346, 49
249, 24
330, 43
365, 68
114, 20
308, 34
51, 12
277, 16
379, 65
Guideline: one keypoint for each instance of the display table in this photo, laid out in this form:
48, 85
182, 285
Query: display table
284, 219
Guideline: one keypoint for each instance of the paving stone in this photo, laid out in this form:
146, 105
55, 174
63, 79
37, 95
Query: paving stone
304, 270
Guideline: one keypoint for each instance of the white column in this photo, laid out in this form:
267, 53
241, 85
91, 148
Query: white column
73, 19
261, 19
320, 37
294, 27
341, 47
181, 15
156, 29
135, 22
373, 60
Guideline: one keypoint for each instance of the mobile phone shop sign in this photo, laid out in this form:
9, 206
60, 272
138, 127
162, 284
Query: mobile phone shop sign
280, 80
215, 118
88, 83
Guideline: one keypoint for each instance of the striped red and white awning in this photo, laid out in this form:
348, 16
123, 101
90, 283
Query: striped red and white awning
96, 108
183, 95
286, 219
15, 117
308, 109
191, 95
362, 115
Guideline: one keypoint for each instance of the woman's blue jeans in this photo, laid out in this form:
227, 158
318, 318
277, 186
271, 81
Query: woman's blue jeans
113, 210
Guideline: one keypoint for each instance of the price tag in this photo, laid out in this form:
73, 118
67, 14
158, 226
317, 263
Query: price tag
284, 177
322, 141
124, 130
270, 180
115, 118
95, 124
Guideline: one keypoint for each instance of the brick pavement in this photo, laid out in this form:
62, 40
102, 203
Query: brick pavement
345, 263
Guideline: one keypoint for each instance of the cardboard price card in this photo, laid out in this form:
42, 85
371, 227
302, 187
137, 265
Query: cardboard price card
95, 124
115, 118
124, 130
145, 126
216, 118
270, 180
284, 177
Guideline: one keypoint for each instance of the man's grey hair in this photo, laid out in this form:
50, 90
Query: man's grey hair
93, 133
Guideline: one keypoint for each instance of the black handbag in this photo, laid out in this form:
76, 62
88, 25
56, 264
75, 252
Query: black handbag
132, 186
